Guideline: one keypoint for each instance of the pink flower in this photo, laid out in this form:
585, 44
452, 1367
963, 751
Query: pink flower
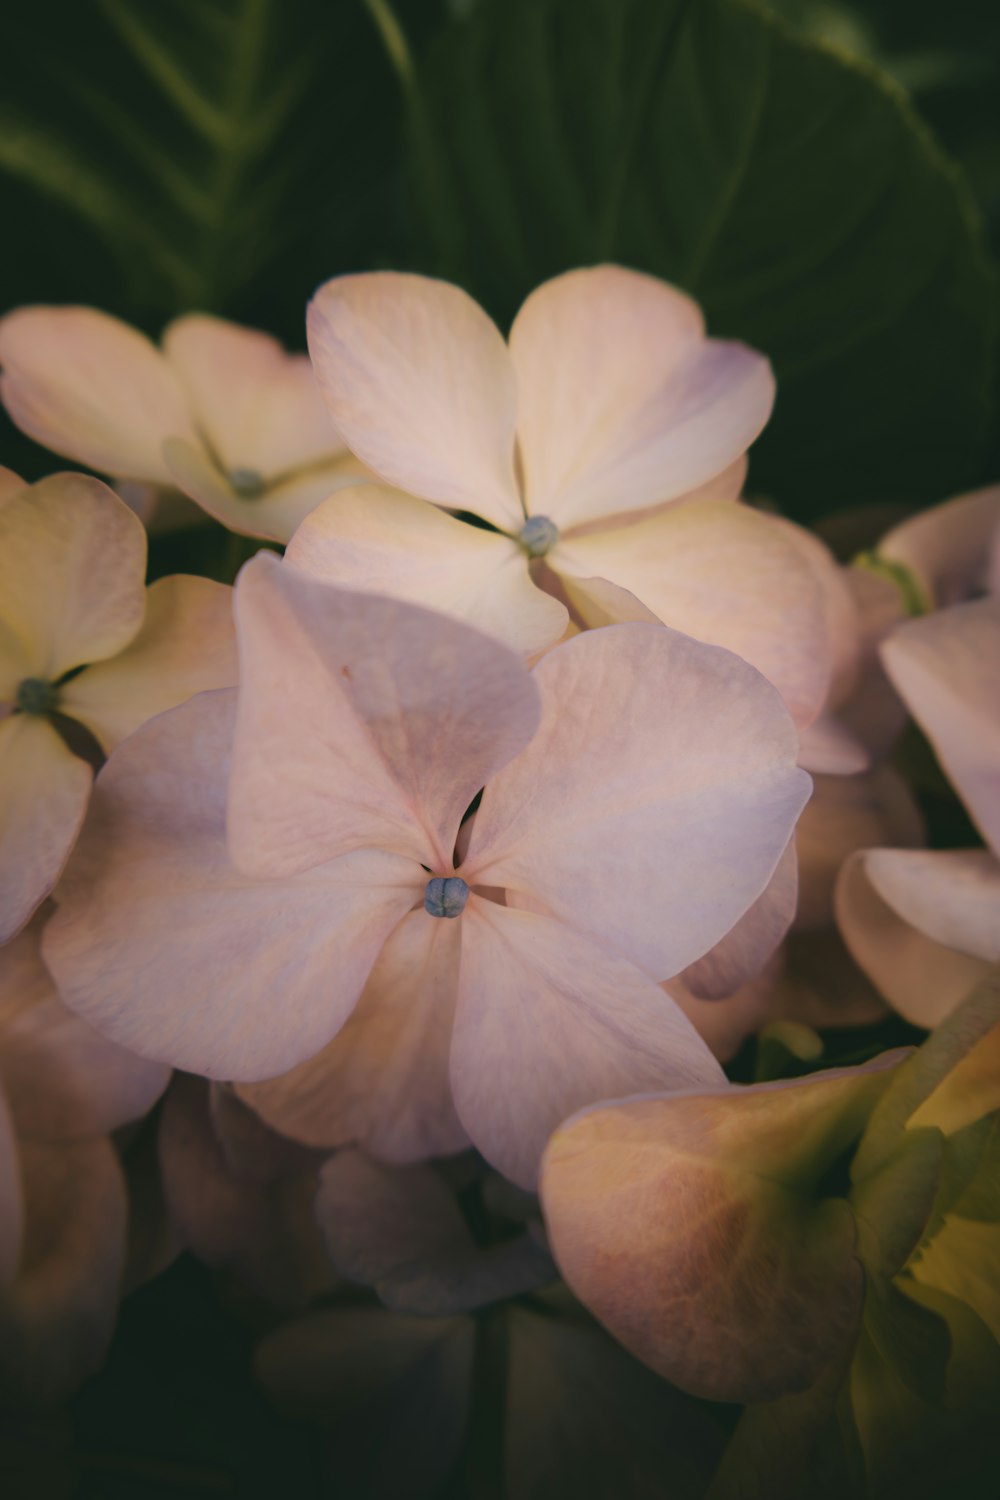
640, 788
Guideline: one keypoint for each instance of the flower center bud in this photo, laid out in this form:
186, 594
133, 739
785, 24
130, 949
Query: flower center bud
247, 483
538, 535
35, 696
445, 896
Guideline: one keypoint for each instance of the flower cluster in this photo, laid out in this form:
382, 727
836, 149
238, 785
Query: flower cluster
450, 855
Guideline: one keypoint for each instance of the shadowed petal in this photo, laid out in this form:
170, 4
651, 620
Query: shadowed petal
947, 548
740, 956
169, 950
420, 386
11, 1199
187, 645
363, 722
623, 402
91, 388
654, 803
382, 542
548, 1021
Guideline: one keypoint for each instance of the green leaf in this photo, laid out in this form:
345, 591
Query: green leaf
793, 192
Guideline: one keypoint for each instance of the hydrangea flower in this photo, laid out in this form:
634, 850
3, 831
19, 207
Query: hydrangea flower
640, 788
85, 650
220, 411
575, 444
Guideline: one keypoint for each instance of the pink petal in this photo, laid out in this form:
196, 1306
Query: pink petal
725, 1024
694, 1228
924, 925
947, 548
654, 803
187, 645
43, 797
170, 951
623, 402
420, 386
725, 574
259, 407
57, 1318
946, 666
91, 388
62, 1079
741, 955
548, 1021
846, 813
363, 722
72, 562
383, 1080
382, 542
277, 511
828, 747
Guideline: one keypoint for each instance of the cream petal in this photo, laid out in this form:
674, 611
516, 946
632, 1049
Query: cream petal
382, 542
363, 722
170, 951
725, 574
383, 1080
43, 797
654, 803
548, 1021
421, 387
946, 666
57, 1318
258, 406
63, 1081
72, 563
623, 402
878, 894
187, 645
741, 955
947, 548
91, 388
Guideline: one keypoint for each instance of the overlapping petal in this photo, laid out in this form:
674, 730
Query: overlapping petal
948, 548
740, 956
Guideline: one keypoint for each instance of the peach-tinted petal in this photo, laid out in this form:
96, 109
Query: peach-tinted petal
11, 1199
10, 483
170, 951
72, 560
741, 955
57, 1318
383, 1080
725, 1024
259, 407
420, 386
654, 803
725, 574
275, 513
622, 401
828, 747
548, 1021
881, 893
947, 548
363, 722
381, 542
187, 645
62, 1079
43, 797
91, 388
846, 813
252, 1151
947, 668
694, 1229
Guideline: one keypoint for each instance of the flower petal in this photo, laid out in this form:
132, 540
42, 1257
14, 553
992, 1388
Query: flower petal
725, 574
947, 548
547, 1021
741, 955
382, 542
72, 565
420, 386
363, 722
91, 388
170, 951
623, 402
828, 747
881, 896
43, 797
654, 803
11, 1199
946, 666
383, 1080
694, 1228
187, 645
